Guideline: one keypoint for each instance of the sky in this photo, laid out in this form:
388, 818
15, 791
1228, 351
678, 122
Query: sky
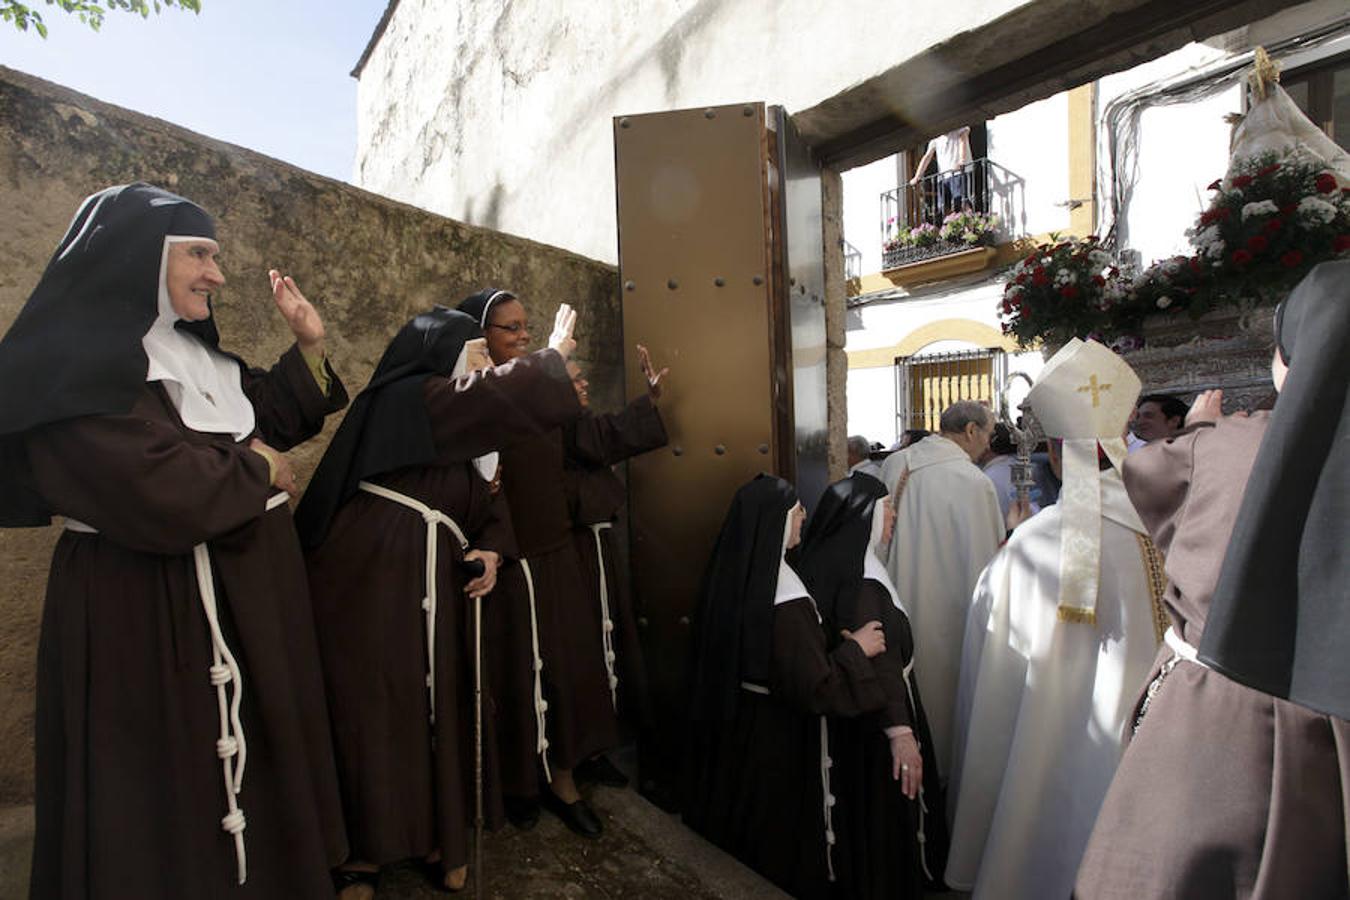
270, 75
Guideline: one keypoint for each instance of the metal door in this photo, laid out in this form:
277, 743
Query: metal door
721, 269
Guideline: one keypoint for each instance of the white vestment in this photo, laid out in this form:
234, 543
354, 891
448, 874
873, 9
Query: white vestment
947, 528
1048, 703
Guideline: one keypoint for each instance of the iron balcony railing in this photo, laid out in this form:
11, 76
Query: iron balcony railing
852, 262
978, 205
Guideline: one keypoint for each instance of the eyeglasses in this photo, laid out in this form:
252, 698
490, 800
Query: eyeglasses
514, 327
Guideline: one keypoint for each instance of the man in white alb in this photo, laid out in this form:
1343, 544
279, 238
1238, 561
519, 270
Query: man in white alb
947, 528
1065, 624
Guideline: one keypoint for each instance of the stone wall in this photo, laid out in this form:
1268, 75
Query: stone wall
368, 263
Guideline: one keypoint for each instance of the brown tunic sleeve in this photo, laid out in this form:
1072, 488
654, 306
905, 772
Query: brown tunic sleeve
496, 533
497, 407
144, 481
289, 405
839, 683
875, 604
609, 438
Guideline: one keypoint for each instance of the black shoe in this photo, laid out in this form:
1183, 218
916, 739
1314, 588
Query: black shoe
577, 816
599, 770
522, 812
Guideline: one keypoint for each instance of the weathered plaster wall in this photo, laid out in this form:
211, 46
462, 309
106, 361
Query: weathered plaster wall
368, 263
499, 112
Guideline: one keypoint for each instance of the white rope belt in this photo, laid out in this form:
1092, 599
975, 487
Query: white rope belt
537, 662
606, 621
923, 806
432, 518
754, 688
825, 765
1181, 648
223, 671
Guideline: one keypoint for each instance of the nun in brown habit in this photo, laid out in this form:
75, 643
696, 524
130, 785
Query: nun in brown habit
181, 732
553, 702
1237, 781
759, 772
401, 500
594, 443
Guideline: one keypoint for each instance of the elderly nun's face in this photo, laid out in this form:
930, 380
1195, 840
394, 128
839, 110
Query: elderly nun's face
192, 277
507, 331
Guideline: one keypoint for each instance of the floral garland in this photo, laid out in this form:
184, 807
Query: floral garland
1270, 221
1063, 290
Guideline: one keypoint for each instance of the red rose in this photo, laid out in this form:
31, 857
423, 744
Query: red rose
1242, 181
1039, 278
1241, 257
1007, 327
1273, 226
1099, 281
1291, 259
1068, 292
1020, 279
1215, 184
1113, 271
1256, 243
1326, 183
1208, 216
1288, 208
1273, 167
1342, 243
1196, 265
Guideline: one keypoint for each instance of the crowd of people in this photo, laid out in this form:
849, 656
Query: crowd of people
944, 686
1126, 685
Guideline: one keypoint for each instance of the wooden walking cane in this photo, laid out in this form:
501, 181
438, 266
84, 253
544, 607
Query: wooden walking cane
471, 566
478, 748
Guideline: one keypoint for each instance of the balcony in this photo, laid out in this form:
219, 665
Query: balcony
958, 216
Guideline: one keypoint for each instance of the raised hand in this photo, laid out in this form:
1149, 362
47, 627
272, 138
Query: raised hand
563, 324
1206, 408
300, 315
648, 372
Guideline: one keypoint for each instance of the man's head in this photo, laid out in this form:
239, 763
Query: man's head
858, 449
1158, 416
579, 384
969, 425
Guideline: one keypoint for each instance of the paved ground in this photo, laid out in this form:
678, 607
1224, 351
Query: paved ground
645, 854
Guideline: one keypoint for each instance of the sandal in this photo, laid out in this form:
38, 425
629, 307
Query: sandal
348, 884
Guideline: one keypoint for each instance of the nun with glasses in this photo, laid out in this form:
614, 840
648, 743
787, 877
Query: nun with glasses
554, 705
885, 777
401, 501
181, 732
760, 773
1235, 782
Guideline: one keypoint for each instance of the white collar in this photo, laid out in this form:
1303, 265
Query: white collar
487, 463
872, 565
203, 383
789, 586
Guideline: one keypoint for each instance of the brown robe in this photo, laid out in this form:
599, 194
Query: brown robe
405, 791
1224, 792
760, 795
130, 793
879, 854
580, 715
595, 495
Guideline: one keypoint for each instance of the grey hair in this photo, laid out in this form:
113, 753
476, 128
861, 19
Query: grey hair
858, 445
956, 417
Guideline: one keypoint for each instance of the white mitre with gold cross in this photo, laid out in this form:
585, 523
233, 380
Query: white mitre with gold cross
1084, 395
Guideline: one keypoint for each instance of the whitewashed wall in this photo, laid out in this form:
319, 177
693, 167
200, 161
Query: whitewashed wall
871, 391
537, 84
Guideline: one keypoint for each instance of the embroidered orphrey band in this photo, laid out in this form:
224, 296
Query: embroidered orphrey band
1157, 583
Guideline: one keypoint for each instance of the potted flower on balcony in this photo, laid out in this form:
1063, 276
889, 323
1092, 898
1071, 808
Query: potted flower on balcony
1063, 290
964, 230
